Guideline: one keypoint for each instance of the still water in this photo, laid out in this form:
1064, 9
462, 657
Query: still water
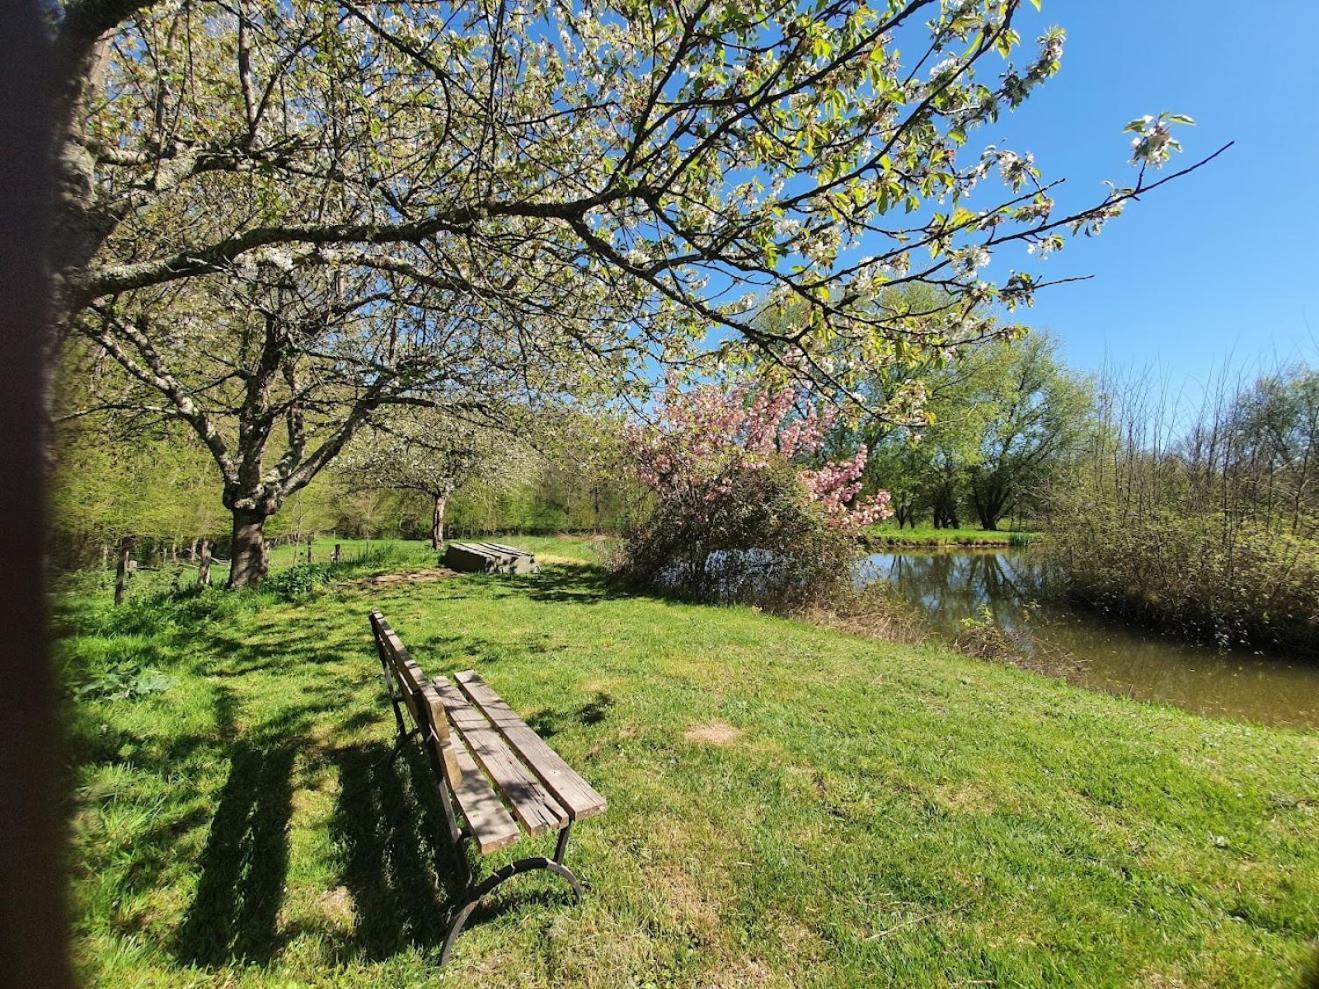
1094, 651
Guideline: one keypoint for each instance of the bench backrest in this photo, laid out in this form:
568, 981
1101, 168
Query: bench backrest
407, 684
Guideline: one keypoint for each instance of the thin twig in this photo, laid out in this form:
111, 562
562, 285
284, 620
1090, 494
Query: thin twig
918, 920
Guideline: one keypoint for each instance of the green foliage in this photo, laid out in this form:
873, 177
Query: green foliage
299, 580
1177, 569
1000, 424
561, 495
157, 485
125, 682
1211, 530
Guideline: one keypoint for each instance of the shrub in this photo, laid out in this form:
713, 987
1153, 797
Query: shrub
736, 515
1253, 586
299, 580
1208, 528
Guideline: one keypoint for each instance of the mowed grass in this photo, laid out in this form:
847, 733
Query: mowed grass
788, 806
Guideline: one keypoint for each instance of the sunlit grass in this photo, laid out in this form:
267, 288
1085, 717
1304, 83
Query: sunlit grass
788, 805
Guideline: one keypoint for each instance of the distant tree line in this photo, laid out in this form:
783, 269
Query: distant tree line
155, 485
991, 431
998, 427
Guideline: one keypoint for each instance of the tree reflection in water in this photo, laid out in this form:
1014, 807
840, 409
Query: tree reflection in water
1008, 585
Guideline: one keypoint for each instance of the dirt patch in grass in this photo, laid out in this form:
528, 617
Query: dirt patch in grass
965, 798
719, 733
411, 577
337, 907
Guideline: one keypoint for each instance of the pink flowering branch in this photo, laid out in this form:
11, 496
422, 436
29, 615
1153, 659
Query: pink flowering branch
706, 439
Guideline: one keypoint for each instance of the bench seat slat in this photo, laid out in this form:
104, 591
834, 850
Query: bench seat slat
492, 826
532, 803
559, 778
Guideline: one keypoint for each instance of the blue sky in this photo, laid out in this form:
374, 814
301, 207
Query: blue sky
1220, 265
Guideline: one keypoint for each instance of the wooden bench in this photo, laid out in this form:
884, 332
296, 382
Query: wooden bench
489, 558
498, 772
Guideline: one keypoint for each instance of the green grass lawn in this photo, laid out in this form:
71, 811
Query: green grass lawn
286, 554
788, 805
358, 555
928, 535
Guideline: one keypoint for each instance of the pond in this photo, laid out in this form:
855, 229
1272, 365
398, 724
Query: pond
1092, 650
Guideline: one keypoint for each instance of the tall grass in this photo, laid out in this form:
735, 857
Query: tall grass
1206, 527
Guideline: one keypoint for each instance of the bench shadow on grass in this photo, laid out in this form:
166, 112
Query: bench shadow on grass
233, 916
398, 866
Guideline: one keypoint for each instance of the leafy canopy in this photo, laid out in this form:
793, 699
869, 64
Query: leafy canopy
624, 175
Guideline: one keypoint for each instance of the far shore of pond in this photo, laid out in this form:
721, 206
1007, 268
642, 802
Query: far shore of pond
928, 536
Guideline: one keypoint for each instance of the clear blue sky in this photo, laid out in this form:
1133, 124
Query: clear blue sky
1219, 265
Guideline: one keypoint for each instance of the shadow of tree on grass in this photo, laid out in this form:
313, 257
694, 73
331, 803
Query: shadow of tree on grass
573, 585
550, 721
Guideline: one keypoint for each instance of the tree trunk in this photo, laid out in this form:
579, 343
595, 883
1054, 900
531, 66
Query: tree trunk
249, 557
437, 522
121, 570
991, 503
945, 511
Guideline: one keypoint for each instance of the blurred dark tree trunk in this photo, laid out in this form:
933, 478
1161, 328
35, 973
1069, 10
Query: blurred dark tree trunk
32, 853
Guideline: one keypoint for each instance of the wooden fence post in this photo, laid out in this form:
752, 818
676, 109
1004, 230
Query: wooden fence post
121, 569
204, 566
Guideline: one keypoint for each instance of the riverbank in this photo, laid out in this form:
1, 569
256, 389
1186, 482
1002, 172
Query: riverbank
789, 805
887, 535
1001, 600
1205, 578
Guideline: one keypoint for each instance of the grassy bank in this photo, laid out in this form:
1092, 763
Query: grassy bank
788, 805
890, 535
1195, 577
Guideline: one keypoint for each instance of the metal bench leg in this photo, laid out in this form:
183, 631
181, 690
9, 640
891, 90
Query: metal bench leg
399, 744
487, 885
561, 845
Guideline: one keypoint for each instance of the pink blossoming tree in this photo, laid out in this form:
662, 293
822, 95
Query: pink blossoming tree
708, 439
745, 505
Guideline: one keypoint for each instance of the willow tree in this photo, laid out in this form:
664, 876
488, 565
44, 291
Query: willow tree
591, 184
